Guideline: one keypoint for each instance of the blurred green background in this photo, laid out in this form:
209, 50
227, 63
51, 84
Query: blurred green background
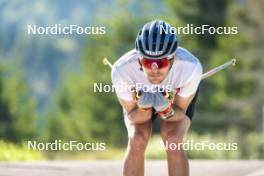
46, 82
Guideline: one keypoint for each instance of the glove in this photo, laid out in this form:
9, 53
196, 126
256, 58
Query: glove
163, 104
145, 100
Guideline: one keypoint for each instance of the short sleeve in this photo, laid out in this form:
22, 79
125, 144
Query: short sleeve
122, 85
192, 84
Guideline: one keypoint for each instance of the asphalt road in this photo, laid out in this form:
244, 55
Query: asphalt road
113, 168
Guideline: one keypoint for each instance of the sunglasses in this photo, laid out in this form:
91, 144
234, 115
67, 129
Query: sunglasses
155, 63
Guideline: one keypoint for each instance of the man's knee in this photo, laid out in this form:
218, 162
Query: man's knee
174, 145
172, 135
138, 141
171, 139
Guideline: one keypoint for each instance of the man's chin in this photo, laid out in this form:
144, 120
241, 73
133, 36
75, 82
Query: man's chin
155, 81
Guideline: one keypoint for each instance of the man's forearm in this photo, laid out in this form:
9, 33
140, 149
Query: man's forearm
179, 114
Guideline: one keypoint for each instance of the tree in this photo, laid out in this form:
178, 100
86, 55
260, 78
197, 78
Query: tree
17, 107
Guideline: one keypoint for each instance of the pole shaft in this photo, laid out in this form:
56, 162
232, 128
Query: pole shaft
263, 119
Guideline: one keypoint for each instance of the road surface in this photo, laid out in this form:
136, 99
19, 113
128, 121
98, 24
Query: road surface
113, 168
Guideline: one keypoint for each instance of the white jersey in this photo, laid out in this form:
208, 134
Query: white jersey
183, 77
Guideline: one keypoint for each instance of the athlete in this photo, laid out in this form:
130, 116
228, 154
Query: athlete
161, 80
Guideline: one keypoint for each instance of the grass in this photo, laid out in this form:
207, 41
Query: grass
13, 152
248, 147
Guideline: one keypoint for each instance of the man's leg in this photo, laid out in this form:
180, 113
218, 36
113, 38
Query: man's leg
138, 136
173, 132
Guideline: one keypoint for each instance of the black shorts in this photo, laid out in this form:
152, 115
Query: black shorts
189, 112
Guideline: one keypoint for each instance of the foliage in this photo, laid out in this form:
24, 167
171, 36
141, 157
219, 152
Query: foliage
14, 152
17, 107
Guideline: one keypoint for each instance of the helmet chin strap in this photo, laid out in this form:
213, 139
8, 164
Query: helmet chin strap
171, 62
140, 68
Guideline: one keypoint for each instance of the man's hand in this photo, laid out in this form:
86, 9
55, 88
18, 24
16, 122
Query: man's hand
145, 100
163, 104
